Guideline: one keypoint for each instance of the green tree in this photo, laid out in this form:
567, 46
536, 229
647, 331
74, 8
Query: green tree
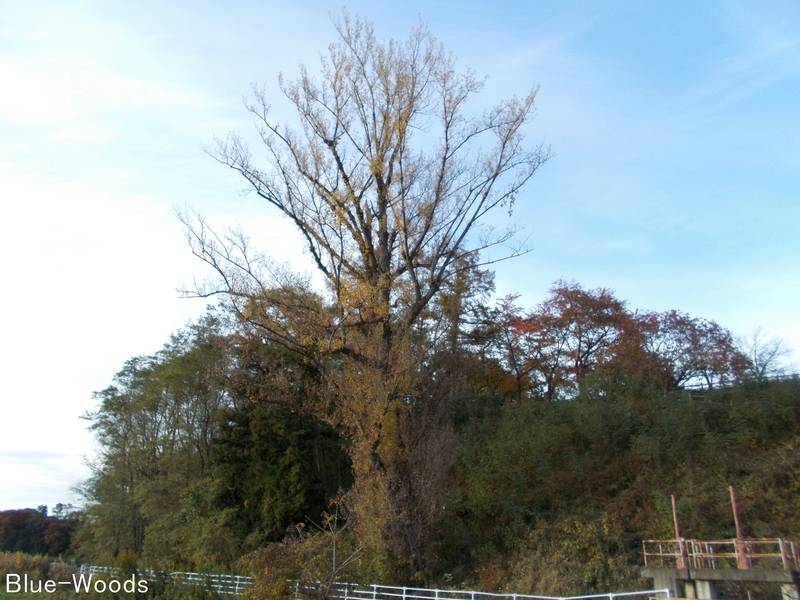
154, 430
274, 469
201, 457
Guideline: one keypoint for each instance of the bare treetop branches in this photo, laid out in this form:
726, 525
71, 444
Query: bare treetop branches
386, 177
390, 182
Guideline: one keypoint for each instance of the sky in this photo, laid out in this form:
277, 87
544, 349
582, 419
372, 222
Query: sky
675, 180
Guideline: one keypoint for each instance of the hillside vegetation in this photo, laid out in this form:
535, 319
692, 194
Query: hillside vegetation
540, 448
556, 498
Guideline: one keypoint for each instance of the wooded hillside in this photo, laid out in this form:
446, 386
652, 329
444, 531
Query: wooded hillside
561, 432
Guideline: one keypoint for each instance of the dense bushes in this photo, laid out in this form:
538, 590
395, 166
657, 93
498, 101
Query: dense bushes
36, 566
555, 498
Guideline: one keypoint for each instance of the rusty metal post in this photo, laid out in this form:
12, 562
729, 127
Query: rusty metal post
735, 512
681, 562
742, 560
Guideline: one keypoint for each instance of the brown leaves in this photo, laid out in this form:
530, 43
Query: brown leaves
388, 182
375, 205
550, 349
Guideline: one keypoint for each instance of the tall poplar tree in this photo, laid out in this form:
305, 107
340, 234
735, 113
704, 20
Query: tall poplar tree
389, 182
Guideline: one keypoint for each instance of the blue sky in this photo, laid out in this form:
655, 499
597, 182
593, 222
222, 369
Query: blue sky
675, 181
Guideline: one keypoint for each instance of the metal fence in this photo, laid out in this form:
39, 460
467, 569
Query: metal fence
239, 584
219, 583
349, 591
773, 553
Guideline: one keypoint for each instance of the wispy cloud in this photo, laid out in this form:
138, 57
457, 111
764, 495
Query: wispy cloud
765, 50
47, 94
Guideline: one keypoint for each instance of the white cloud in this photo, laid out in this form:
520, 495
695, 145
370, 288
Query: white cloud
33, 94
31, 478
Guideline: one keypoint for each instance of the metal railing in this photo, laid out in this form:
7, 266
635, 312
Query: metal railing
219, 583
239, 584
222, 584
775, 553
350, 591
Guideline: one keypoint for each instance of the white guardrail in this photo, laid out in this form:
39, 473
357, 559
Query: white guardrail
219, 583
239, 584
350, 591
